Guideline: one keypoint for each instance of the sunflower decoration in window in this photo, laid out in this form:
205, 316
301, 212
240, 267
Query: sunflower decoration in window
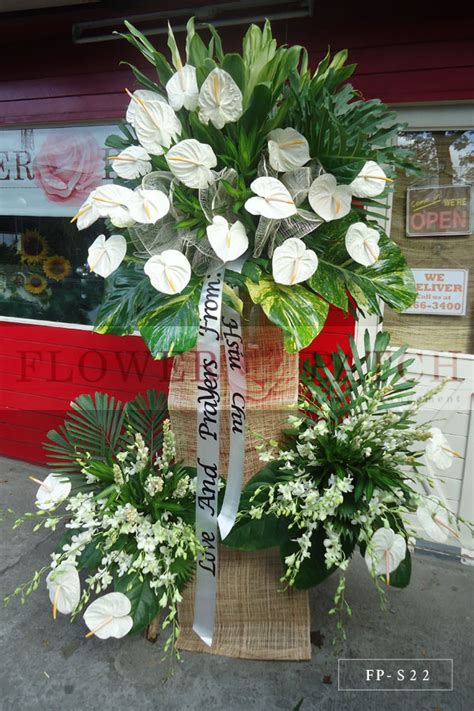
57, 267
35, 284
33, 247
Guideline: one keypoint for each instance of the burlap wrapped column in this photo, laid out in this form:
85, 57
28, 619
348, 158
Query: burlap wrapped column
255, 619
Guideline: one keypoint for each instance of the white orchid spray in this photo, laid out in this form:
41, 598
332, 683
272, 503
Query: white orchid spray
220, 158
127, 520
346, 475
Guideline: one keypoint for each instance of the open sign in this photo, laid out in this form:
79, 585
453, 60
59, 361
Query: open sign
440, 210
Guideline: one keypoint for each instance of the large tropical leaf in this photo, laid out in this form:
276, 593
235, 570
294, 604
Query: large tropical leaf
94, 426
389, 278
295, 309
145, 414
126, 293
145, 602
170, 325
346, 385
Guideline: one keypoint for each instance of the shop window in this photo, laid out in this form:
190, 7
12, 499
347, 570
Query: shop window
45, 175
432, 221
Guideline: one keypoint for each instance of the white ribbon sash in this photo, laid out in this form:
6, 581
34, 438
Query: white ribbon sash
234, 351
207, 480
215, 319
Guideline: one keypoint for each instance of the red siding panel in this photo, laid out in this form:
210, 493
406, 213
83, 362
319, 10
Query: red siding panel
42, 368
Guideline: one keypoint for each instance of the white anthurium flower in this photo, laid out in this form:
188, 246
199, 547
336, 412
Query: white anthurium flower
274, 200
133, 162
229, 241
144, 95
292, 263
169, 272
182, 89
149, 206
362, 244
109, 616
64, 587
220, 99
54, 489
191, 162
438, 451
106, 255
387, 550
156, 124
287, 149
433, 519
86, 215
328, 199
113, 201
370, 182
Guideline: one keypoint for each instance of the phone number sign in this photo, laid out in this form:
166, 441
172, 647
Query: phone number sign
440, 292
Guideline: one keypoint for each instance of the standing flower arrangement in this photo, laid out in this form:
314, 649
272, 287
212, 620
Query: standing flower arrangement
250, 157
349, 474
128, 511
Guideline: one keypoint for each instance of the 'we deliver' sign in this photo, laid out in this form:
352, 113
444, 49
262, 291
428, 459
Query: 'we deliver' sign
440, 292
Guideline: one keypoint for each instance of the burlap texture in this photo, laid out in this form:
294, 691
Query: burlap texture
255, 618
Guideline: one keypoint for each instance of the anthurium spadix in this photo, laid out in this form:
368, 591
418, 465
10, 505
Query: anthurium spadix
145, 95
109, 616
110, 201
433, 520
52, 490
149, 206
155, 123
169, 272
273, 199
86, 215
182, 89
287, 149
64, 587
362, 244
220, 99
438, 451
191, 162
292, 263
370, 182
385, 552
229, 241
106, 255
133, 162
328, 199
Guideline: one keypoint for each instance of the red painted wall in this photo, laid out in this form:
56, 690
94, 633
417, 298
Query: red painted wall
401, 58
42, 368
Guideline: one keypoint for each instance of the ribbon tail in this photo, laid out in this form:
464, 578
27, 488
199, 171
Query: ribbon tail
235, 359
207, 465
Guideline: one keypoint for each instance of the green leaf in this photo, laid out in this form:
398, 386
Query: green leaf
400, 577
90, 557
389, 278
296, 310
94, 426
259, 107
170, 324
126, 292
143, 79
251, 534
313, 570
145, 414
233, 64
144, 600
330, 284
